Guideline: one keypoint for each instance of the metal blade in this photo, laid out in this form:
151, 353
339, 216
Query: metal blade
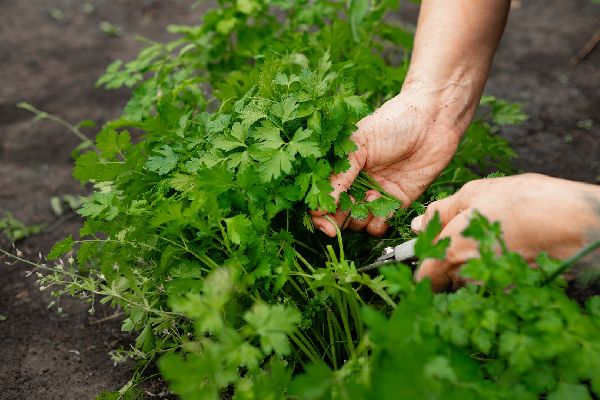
402, 252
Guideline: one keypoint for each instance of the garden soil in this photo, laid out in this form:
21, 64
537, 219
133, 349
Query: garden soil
52, 52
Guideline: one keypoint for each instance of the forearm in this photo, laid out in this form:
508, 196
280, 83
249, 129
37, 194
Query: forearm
454, 47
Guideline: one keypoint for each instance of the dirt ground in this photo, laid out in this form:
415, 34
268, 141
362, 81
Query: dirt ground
51, 53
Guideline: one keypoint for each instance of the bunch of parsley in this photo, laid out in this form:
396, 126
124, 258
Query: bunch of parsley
197, 228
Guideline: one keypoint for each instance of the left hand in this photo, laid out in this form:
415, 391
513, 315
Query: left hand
404, 145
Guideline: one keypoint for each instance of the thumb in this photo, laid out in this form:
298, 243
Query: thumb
444, 273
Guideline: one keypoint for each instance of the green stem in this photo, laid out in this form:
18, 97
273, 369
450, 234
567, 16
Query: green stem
302, 346
83, 288
569, 262
331, 340
39, 114
342, 306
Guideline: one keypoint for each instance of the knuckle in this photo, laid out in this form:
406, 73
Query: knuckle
432, 208
469, 187
454, 255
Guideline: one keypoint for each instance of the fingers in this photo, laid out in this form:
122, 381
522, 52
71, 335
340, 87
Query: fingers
444, 274
374, 226
395, 190
446, 208
359, 224
324, 224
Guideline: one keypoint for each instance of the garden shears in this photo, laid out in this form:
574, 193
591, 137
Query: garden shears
402, 252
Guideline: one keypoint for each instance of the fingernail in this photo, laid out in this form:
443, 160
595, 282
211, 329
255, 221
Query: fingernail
417, 223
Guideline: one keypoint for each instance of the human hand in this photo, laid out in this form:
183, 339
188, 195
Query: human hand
537, 213
403, 145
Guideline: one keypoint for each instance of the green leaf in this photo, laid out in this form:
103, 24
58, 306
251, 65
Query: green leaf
285, 110
569, 391
247, 6
218, 124
301, 144
145, 340
246, 355
227, 144
226, 25
163, 163
344, 147
503, 112
90, 168
383, 206
398, 278
440, 368
316, 383
359, 211
272, 324
277, 162
425, 247
319, 193
356, 105
188, 377
269, 136
358, 11
239, 228
101, 205
60, 248
216, 180
252, 112
91, 209
345, 202
184, 183
110, 142
16, 230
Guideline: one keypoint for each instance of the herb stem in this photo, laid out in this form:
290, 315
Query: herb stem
568, 263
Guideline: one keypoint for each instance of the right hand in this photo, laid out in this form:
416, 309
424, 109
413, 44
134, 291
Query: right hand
538, 214
404, 145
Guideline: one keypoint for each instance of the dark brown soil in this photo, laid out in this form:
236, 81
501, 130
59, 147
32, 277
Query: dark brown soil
532, 67
53, 62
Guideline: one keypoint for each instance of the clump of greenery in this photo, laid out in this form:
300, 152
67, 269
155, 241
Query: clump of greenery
15, 230
515, 335
198, 230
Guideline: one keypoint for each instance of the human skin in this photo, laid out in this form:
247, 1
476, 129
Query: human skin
537, 214
407, 142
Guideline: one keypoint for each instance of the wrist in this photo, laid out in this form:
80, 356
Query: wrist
450, 105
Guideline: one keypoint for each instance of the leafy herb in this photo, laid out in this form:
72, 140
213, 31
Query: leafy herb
199, 230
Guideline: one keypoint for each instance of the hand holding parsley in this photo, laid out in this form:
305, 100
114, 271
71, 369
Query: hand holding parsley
407, 142
537, 214
403, 146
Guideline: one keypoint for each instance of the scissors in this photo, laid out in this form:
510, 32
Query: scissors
402, 252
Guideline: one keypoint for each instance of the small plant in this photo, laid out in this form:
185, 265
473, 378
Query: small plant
110, 29
15, 230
